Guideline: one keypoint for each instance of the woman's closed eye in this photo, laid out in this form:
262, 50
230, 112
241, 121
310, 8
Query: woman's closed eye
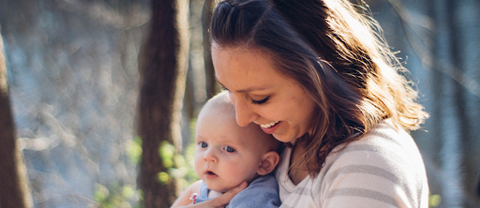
224, 88
259, 102
229, 149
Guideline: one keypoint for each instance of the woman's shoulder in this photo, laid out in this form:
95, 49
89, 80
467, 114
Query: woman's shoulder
385, 146
384, 166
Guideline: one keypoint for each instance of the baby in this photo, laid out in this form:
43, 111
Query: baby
227, 154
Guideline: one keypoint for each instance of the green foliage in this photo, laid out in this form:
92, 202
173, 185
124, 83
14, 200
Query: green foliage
180, 167
167, 153
163, 177
134, 150
186, 173
121, 196
117, 196
434, 200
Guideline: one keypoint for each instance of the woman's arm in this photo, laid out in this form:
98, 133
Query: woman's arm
218, 202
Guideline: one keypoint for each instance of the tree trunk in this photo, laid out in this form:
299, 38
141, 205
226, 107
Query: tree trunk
162, 66
211, 82
13, 183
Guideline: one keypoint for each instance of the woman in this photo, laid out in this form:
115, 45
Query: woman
316, 75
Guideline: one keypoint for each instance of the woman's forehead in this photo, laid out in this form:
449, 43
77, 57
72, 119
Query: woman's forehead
243, 67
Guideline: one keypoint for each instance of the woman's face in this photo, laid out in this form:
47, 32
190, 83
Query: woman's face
261, 94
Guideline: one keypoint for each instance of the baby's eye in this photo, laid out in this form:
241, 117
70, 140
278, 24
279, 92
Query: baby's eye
229, 149
203, 144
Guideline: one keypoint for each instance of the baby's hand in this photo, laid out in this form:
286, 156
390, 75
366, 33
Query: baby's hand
184, 198
221, 201
193, 198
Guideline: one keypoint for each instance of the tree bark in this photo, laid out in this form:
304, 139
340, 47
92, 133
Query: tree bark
14, 190
211, 82
162, 66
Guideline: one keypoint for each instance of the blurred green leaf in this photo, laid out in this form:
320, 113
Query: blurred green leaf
134, 149
434, 200
166, 153
163, 177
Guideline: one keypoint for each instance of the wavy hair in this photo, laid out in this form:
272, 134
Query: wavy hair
336, 52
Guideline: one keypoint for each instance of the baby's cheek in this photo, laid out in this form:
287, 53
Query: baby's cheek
233, 172
243, 174
198, 165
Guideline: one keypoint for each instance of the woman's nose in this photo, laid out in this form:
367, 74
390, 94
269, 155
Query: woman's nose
210, 156
244, 113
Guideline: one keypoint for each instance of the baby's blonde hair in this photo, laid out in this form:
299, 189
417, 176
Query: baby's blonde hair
221, 103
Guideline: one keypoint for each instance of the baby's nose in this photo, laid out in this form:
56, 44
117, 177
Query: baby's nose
210, 156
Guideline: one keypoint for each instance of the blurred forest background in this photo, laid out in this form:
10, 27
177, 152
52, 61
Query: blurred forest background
78, 74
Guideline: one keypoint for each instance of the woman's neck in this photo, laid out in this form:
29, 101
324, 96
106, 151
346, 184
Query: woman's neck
297, 173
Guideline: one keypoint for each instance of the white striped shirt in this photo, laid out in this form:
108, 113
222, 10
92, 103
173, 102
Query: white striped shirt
382, 169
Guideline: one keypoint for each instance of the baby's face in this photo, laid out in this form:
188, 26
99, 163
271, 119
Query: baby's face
225, 153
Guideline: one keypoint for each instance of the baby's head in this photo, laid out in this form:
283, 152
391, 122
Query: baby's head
227, 154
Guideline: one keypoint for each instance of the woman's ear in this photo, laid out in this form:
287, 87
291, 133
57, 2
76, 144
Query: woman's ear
268, 163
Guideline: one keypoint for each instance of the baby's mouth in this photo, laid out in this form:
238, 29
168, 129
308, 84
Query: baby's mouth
211, 173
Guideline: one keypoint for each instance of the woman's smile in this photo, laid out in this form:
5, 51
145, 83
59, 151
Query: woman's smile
269, 125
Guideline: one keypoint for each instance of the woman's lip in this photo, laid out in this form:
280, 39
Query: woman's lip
272, 128
268, 125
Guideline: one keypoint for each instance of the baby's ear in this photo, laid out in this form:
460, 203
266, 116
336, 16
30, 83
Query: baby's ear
269, 162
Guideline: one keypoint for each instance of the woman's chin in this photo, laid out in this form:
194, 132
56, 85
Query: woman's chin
283, 138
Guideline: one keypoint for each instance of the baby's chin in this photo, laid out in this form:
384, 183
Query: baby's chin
224, 187
220, 189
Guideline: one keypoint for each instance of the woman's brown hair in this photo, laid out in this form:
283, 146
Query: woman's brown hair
336, 54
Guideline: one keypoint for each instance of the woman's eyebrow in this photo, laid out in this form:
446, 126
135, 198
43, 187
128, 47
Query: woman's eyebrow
243, 90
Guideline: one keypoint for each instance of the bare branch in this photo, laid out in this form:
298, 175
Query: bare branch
428, 59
